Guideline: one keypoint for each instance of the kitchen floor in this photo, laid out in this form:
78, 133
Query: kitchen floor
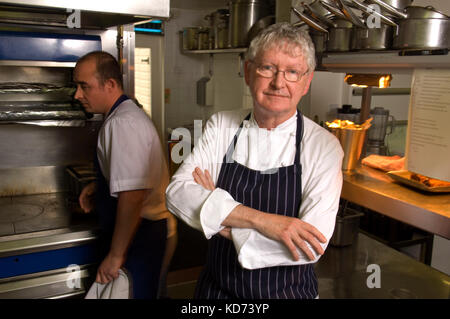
343, 273
181, 283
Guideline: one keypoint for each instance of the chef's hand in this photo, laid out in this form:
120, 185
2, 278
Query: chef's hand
109, 268
86, 197
292, 232
204, 179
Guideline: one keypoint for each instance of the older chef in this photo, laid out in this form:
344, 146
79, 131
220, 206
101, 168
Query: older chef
263, 186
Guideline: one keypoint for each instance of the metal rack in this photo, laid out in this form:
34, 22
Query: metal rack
382, 62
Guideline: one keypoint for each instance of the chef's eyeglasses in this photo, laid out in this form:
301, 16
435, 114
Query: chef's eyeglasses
269, 71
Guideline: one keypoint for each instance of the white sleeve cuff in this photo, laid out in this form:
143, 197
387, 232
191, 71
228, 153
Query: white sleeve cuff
257, 251
214, 211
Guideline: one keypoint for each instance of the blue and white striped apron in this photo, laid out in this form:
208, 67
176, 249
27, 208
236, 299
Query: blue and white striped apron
274, 191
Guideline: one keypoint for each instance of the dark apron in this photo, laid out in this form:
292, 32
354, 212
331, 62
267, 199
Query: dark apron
273, 191
146, 250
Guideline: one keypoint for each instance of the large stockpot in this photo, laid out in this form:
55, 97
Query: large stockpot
243, 14
424, 28
419, 28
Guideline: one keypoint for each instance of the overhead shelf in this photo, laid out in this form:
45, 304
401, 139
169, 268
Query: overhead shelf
232, 50
381, 62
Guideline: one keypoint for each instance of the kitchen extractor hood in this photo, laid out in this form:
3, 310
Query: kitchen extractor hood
148, 8
93, 14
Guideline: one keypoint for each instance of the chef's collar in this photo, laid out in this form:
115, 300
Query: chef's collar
121, 98
283, 125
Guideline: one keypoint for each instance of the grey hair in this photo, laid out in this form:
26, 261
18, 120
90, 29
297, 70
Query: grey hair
280, 34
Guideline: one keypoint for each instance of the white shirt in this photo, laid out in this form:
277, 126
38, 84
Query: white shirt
259, 149
131, 158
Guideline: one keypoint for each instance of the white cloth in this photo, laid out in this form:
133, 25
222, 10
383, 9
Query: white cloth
118, 288
131, 158
259, 149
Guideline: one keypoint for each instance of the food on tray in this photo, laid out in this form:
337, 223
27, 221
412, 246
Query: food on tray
385, 163
428, 181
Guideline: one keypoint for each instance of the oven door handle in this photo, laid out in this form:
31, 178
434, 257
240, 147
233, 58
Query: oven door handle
47, 242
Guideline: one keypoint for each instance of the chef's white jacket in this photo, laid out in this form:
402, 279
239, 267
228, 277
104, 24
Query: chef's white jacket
131, 158
259, 149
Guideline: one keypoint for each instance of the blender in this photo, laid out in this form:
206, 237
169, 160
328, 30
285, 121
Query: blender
379, 130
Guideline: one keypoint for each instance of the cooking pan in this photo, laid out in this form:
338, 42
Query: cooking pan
373, 38
318, 32
319, 12
351, 16
310, 21
339, 37
425, 28
419, 28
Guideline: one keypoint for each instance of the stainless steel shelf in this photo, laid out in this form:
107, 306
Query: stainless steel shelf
233, 50
381, 62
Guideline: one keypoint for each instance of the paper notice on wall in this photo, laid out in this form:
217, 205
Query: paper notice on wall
428, 137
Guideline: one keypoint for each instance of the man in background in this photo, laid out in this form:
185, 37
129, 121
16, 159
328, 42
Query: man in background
132, 177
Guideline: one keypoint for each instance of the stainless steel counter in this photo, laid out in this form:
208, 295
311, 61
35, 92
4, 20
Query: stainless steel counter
342, 273
375, 190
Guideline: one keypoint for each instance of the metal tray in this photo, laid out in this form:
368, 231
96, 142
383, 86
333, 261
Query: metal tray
404, 177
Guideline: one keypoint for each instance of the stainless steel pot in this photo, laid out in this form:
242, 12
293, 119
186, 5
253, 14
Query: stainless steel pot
339, 38
372, 38
376, 37
397, 4
243, 14
190, 38
424, 29
259, 26
319, 39
219, 24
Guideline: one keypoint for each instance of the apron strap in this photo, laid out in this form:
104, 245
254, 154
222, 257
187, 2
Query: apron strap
231, 148
298, 139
